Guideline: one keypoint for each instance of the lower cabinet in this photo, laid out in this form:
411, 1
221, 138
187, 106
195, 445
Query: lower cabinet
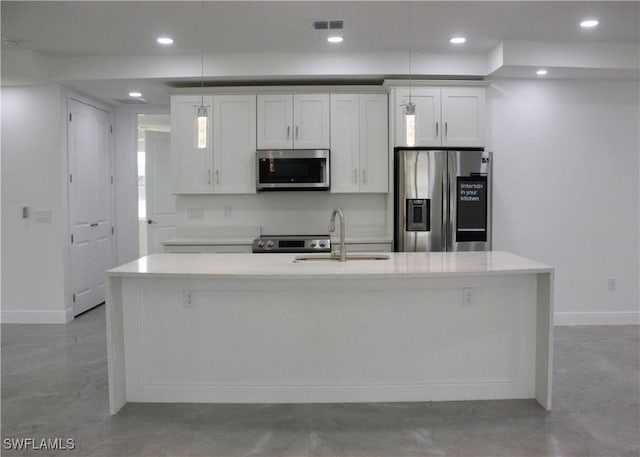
369, 247
209, 249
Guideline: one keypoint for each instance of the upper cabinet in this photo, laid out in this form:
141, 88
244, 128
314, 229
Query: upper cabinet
234, 144
299, 121
452, 116
191, 167
226, 165
359, 143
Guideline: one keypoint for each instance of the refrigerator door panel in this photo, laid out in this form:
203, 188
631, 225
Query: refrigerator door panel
419, 200
469, 201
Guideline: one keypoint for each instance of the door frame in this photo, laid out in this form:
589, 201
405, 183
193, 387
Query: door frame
76, 97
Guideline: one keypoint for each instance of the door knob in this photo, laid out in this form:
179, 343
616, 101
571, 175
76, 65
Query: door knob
151, 222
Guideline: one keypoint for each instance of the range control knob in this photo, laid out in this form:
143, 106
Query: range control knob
260, 244
313, 244
269, 244
322, 244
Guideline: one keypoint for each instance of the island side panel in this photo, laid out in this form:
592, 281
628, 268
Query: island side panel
544, 339
115, 344
330, 339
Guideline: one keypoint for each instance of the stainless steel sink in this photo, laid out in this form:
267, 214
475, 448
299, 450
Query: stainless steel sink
301, 258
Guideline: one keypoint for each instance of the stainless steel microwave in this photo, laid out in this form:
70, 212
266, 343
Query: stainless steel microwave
292, 169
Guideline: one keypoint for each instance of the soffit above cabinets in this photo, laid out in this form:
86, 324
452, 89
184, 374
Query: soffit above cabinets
103, 48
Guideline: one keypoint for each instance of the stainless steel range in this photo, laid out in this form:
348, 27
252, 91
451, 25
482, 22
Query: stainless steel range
292, 243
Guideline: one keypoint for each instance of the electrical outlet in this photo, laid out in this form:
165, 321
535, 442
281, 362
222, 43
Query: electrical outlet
467, 296
195, 213
189, 299
42, 215
612, 283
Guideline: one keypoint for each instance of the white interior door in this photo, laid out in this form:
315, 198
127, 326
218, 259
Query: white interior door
161, 203
89, 203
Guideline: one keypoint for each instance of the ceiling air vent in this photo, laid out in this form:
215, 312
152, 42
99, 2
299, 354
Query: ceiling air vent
328, 25
131, 101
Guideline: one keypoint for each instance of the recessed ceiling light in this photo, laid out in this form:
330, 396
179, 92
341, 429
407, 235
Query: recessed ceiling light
541, 72
458, 40
165, 40
135, 94
589, 23
335, 39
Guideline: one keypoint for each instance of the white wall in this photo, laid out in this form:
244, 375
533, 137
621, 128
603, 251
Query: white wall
287, 212
566, 161
34, 254
126, 184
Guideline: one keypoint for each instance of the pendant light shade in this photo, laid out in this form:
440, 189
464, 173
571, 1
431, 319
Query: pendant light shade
410, 123
201, 127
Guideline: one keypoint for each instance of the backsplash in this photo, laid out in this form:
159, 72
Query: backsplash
282, 213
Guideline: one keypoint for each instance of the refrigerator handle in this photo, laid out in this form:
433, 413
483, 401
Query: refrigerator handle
445, 204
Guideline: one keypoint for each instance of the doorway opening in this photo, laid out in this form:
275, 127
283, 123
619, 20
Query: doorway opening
156, 204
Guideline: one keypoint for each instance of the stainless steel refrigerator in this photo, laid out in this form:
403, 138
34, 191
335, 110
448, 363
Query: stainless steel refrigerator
442, 199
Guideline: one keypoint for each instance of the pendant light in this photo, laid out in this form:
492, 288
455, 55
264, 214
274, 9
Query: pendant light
201, 111
410, 108
201, 115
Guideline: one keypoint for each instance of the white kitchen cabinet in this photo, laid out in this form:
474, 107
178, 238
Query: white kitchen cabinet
299, 121
359, 143
452, 116
226, 165
463, 116
234, 140
370, 247
191, 168
208, 249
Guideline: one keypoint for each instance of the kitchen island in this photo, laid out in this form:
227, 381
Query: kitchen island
264, 328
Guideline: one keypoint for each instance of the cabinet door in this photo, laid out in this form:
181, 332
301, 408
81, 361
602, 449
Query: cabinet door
463, 116
374, 143
311, 121
428, 127
345, 143
191, 168
275, 122
234, 146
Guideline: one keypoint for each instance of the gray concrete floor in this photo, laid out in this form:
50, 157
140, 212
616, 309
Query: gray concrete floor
54, 385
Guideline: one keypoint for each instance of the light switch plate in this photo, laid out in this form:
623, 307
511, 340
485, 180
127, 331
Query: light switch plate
42, 215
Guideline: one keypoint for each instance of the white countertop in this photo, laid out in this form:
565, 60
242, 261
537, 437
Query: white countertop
207, 241
217, 241
263, 266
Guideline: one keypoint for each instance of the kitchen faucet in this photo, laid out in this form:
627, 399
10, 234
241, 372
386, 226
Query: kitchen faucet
332, 228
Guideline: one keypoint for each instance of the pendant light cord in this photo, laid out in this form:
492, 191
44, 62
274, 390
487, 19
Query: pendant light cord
410, 40
202, 53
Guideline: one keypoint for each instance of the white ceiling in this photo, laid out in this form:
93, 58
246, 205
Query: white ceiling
106, 48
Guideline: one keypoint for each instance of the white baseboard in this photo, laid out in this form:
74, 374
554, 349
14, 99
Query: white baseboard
37, 317
597, 318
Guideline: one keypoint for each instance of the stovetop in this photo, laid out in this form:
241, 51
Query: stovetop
292, 243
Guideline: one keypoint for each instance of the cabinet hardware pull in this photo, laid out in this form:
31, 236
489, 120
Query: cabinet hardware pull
355, 176
446, 129
288, 131
364, 176
149, 222
296, 132
436, 130
95, 224
217, 177
209, 177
